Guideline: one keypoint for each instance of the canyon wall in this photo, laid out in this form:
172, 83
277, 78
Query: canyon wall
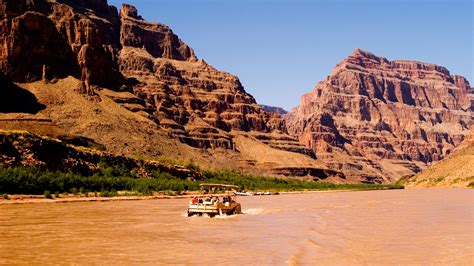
146, 69
384, 118
92, 70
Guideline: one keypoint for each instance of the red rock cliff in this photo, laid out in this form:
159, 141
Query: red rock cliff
194, 101
387, 118
60, 38
92, 41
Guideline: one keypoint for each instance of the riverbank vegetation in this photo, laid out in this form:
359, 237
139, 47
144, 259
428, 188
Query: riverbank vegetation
110, 180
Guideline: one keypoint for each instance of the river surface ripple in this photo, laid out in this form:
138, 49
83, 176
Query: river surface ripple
416, 226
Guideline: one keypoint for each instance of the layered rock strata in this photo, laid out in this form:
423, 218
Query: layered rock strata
30, 150
192, 100
385, 118
147, 70
91, 41
456, 170
274, 109
60, 38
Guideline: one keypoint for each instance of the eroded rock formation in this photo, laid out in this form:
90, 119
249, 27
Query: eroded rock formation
149, 71
372, 120
29, 150
91, 41
157, 39
385, 118
456, 170
194, 101
78, 38
274, 109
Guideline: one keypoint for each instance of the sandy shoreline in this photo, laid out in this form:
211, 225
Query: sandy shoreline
33, 199
39, 199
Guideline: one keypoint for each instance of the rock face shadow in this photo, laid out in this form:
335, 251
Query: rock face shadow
14, 99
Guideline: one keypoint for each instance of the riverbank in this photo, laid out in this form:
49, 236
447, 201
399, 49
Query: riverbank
35, 199
117, 181
71, 198
30, 185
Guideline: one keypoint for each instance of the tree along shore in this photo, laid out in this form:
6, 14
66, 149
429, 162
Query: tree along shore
112, 182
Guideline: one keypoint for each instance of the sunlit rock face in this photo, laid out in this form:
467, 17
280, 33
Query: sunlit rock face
189, 97
60, 38
119, 50
388, 118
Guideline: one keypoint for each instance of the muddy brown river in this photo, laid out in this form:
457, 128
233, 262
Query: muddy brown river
420, 226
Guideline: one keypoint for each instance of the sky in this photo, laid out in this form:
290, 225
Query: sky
280, 49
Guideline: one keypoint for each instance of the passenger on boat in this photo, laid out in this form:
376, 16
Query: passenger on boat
227, 199
195, 200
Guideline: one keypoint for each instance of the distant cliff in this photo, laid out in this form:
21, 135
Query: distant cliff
377, 118
85, 68
456, 170
273, 109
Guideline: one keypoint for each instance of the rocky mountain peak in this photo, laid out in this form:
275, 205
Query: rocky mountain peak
401, 110
98, 6
274, 109
359, 54
372, 120
461, 82
368, 62
129, 11
156, 38
150, 71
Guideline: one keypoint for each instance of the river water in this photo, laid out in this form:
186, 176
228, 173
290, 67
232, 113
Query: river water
418, 226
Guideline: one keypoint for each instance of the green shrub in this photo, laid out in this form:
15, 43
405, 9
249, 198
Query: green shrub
20, 180
169, 193
47, 194
189, 164
106, 193
261, 183
84, 191
192, 166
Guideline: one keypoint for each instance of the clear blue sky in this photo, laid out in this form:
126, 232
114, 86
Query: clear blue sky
281, 48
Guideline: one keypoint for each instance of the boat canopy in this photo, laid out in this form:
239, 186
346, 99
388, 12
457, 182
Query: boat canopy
211, 186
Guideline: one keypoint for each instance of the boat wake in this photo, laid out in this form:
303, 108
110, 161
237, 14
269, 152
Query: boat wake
254, 211
251, 211
225, 216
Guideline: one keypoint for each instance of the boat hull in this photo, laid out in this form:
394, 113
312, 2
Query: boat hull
213, 210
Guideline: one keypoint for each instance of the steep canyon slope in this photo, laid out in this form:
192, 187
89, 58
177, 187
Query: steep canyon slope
381, 119
135, 87
456, 170
83, 68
